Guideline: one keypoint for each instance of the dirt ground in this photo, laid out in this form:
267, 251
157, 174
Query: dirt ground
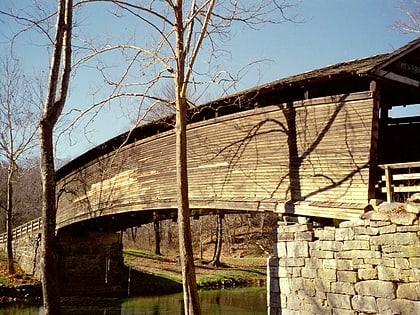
18, 278
250, 270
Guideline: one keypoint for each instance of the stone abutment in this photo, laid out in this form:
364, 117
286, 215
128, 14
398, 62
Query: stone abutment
366, 266
90, 263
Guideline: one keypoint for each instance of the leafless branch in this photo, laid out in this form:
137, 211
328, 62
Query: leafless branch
411, 22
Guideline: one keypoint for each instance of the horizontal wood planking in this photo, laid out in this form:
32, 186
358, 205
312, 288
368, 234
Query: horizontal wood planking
400, 189
243, 155
400, 165
410, 176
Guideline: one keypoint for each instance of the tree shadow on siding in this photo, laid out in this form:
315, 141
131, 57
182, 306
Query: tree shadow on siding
233, 152
94, 188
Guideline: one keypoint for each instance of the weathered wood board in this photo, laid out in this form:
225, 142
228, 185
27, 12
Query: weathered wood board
317, 151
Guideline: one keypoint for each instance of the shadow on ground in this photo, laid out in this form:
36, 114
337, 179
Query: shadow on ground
144, 284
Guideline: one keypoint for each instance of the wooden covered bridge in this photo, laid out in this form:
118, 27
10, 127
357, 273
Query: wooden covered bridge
317, 144
314, 144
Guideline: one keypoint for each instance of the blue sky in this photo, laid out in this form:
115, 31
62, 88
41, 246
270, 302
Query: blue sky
330, 31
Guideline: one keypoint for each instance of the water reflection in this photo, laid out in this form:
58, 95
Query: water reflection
243, 301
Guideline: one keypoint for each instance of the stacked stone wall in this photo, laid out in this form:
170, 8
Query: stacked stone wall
91, 263
366, 266
27, 253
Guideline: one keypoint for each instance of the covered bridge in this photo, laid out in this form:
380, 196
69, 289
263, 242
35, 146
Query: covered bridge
314, 144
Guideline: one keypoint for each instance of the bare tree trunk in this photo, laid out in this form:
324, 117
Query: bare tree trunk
50, 283
191, 302
219, 240
201, 239
262, 224
229, 235
156, 227
9, 212
55, 100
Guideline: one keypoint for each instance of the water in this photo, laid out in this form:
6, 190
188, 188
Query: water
242, 301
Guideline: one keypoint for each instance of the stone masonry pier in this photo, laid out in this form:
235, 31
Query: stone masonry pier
90, 263
366, 266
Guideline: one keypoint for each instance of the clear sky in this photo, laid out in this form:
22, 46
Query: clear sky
329, 31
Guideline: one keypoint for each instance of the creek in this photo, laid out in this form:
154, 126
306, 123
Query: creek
238, 301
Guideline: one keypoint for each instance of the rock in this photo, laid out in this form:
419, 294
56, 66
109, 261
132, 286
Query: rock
339, 301
410, 291
376, 216
414, 198
405, 307
403, 218
396, 212
376, 288
412, 207
391, 207
364, 304
367, 273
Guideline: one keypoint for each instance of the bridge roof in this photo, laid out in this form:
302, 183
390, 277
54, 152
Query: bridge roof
373, 66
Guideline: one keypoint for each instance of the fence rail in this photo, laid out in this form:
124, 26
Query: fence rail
400, 178
28, 227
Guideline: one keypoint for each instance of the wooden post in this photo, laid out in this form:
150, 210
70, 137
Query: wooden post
388, 181
374, 145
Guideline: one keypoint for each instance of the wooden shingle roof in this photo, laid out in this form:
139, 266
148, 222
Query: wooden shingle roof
358, 67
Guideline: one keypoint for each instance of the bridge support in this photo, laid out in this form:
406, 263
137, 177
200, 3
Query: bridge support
361, 266
91, 263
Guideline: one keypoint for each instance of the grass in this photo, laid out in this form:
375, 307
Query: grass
145, 254
233, 272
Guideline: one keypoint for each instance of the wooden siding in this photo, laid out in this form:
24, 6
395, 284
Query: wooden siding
316, 150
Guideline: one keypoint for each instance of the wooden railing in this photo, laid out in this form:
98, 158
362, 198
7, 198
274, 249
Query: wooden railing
400, 178
28, 227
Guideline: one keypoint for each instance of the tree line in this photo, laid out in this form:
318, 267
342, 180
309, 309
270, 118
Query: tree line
26, 197
213, 236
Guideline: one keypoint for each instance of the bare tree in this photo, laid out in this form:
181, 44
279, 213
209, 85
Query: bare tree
3, 198
156, 229
58, 83
26, 192
182, 33
27, 203
411, 22
215, 261
17, 133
